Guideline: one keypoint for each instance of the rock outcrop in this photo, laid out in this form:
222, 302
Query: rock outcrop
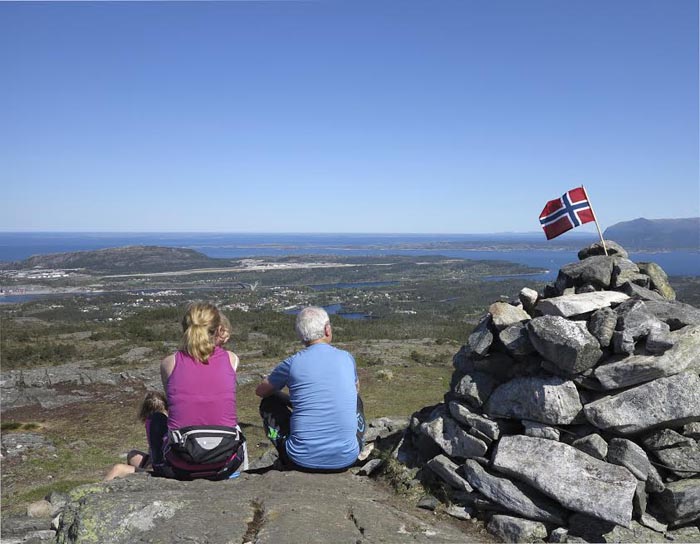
584, 402
269, 508
262, 506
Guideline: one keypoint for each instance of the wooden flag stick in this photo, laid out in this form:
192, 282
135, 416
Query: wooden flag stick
596, 220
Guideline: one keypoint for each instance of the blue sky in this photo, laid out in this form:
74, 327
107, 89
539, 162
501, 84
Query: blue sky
344, 116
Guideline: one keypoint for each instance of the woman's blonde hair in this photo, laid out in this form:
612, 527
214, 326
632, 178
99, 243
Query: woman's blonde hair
199, 326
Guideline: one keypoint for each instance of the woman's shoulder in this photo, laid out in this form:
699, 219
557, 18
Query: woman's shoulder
233, 359
168, 361
167, 366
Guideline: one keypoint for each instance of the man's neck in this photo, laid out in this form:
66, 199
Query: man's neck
319, 341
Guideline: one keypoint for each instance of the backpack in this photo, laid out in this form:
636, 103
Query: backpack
211, 452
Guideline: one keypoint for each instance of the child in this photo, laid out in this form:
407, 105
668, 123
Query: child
223, 334
153, 403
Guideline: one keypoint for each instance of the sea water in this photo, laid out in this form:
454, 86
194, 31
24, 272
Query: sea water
17, 246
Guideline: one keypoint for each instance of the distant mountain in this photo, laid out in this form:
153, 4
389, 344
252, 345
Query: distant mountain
123, 260
656, 233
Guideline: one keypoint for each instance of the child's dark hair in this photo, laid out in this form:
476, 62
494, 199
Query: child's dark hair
153, 402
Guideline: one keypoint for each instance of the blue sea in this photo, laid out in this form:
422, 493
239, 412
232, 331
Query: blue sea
528, 249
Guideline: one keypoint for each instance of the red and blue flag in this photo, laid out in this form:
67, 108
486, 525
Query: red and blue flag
565, 213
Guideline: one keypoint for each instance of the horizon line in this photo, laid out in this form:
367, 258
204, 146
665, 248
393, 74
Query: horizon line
289, 233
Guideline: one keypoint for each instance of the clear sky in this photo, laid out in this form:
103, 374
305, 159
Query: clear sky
440, 116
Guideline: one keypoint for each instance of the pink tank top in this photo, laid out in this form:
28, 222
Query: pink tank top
202, 394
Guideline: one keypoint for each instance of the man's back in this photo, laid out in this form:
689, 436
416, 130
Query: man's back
321, 381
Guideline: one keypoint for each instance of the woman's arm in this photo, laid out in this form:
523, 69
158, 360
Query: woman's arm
167, 366
233, 359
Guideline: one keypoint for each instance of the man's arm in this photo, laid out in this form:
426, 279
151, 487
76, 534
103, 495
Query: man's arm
265, 389
276, 381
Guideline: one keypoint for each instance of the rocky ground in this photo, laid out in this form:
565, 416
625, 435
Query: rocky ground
66, 425
271, 507
262, 505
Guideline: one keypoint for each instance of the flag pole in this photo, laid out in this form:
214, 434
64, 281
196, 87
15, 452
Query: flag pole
596, 220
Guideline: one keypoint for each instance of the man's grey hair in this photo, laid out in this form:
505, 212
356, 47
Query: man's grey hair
311, 324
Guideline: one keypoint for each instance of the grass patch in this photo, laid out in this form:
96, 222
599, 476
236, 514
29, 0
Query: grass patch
18, 426
43, 491
10, 426
410, 388
400, 478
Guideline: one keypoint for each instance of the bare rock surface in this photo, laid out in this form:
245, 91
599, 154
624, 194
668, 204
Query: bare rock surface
384, 426
659, 279
680, 501
639, 292
540, 430
481, 337
566, 344
467, 418
550, 400
677, 453
516, 341
452, 439
592, 444
643, 368
528, 298
513, 495
447, 470
595, 270
613, 248
626, 453
595, 530
625, 271
512, 529
274, 507
18, 444
475, 388
602, 325
670, 401
675, 314
503, 315
634, 322
581, 303
572, 478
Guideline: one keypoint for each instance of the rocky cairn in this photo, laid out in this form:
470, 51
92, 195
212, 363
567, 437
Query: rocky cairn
574, 414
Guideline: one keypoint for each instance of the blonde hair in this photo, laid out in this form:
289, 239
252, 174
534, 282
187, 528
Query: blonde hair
199, 326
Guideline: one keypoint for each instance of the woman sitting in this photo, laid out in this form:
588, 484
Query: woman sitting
200, 385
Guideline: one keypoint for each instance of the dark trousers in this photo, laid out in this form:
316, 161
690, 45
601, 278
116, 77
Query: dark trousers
276, 413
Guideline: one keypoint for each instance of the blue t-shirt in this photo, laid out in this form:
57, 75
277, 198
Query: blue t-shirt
321, 381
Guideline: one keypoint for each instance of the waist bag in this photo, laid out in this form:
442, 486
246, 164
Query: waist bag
211, 452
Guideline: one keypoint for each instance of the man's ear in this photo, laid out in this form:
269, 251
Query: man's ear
327, 330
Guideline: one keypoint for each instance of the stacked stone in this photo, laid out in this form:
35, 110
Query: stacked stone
575, 414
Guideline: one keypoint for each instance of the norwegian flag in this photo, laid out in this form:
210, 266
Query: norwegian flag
565, 213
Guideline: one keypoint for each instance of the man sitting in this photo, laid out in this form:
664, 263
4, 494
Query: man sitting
318, 427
